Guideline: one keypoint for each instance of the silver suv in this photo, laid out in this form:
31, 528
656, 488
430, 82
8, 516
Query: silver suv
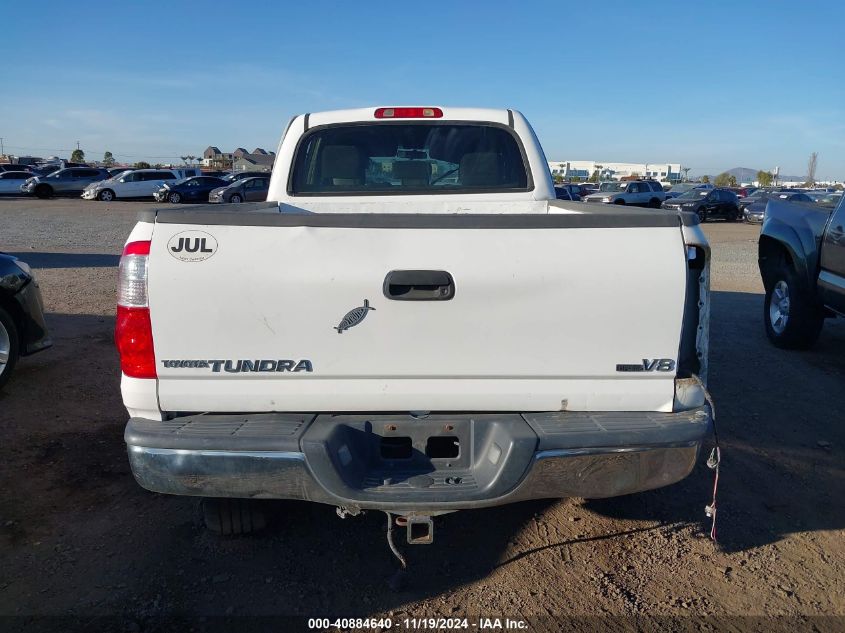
644, 193
68, 181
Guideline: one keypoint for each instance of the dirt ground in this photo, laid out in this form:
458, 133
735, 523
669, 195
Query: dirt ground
83, 547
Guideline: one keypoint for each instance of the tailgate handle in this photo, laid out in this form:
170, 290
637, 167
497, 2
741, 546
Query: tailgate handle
419, 285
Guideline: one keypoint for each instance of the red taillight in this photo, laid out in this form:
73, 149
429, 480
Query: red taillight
409, 113
137, 248
133, 333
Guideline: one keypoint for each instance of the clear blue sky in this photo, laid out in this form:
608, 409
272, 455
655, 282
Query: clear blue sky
710, 84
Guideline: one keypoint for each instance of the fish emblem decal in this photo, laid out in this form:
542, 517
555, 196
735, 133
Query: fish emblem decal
354, 317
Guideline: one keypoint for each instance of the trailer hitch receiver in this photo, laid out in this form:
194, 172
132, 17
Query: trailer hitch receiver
420, 530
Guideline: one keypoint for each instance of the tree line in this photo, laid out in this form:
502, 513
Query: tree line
78, 156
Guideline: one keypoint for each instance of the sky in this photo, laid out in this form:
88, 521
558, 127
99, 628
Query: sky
710, 84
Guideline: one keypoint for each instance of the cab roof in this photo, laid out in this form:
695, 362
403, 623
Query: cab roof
361, 115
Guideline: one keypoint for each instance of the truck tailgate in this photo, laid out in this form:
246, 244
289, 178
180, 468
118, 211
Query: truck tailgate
545, 307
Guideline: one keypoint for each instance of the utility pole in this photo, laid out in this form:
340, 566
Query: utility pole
2, 150
77, 144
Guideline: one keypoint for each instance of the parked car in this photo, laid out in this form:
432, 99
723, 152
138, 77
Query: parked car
116, 171
679, 188
22, 327
45, 170
753, 197
54, 165
375, 350
139, 183
564, 193
761, 194
195, 189
239, 175
11, 181
742, 192
829, 199
755, 212
683, 187
644, 193
65, 182
707, 203
243, 190
802, 262
579, 189
10, 167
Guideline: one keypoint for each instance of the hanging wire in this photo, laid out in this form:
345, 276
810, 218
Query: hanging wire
713, 461
392, 545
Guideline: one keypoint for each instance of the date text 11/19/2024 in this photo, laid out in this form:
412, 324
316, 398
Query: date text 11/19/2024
488, 624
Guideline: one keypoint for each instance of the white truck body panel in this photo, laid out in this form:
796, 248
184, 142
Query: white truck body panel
539, 321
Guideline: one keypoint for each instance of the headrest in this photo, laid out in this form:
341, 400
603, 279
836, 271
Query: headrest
342, 163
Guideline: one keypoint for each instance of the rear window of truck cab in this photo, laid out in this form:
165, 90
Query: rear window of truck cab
408, 158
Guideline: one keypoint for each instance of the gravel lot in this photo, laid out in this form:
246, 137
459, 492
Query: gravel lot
79, 540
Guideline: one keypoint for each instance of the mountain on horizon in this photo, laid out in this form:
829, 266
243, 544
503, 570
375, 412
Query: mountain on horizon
747, 174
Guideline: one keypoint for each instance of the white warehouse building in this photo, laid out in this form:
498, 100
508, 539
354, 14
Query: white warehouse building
583, 169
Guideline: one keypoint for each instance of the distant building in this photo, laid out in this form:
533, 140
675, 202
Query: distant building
213, 158
584, 169
255, 162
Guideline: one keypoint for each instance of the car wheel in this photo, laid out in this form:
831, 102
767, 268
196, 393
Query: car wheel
228, 517
8, 346
174, 197
235, 198
793, 319
43, 191
618, 201
106, 195
735, 215
702, 216
654, 203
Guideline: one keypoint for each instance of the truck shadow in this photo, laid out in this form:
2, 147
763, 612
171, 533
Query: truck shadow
781, 434
38, 259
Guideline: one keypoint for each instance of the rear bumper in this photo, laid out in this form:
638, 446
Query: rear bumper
341, 460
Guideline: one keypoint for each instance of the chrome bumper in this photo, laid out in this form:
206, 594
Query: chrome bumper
514, 458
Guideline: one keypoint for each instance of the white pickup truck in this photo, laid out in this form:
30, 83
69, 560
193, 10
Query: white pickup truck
413, 324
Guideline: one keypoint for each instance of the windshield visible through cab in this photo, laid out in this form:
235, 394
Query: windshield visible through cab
401, 158
682, 188
613, 186
692, 194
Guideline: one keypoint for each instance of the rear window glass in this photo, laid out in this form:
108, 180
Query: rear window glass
408, 158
